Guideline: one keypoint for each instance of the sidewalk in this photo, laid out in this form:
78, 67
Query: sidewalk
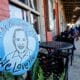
74, 70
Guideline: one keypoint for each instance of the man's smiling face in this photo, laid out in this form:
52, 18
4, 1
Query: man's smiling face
20, 41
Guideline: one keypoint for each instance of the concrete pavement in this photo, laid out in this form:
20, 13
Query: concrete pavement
74, 70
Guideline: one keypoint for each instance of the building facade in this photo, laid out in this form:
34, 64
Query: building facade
39, 13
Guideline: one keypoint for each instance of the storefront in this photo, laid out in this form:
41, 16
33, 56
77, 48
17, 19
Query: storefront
26, 10
35, 12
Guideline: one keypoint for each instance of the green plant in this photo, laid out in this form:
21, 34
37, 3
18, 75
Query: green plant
62, 76
37, 72
6, 76
35, 69
9, 76
51, 77
40, 74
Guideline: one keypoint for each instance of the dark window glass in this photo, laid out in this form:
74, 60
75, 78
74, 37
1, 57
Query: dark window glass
50, 13
34, 21
30, 3
33, 4
22, 1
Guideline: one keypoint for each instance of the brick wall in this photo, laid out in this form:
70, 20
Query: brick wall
4, 9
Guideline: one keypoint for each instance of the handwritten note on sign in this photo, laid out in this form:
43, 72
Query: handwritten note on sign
18, 46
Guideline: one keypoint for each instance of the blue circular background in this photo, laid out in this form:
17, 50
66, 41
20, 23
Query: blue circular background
28, 28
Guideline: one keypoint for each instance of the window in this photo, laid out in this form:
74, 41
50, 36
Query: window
34, 22
33, 4
25, 15
16, 12
22, 1
50, 12
30, 3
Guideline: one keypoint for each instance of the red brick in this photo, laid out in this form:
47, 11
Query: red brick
4, 6
3, 18
4, 13
4, 9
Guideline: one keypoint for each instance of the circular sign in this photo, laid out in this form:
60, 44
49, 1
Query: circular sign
18, 46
